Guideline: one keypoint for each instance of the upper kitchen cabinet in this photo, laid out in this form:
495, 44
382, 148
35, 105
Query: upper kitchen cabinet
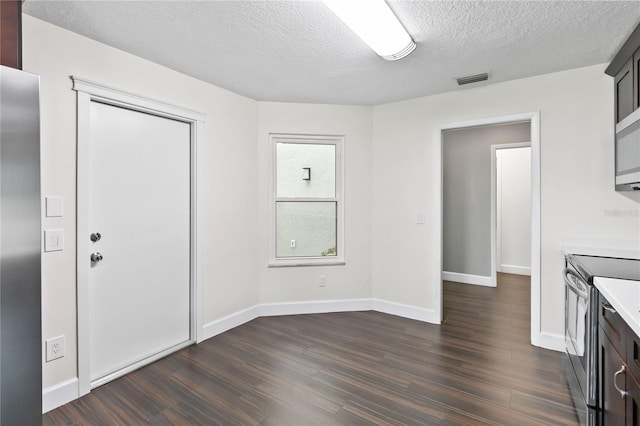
625, 91
625, 68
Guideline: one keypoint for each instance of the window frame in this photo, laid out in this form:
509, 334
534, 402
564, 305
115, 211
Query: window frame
338, 142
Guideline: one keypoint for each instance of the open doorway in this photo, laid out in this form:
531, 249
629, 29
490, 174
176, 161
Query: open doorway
533, 120
511, 209
469, 199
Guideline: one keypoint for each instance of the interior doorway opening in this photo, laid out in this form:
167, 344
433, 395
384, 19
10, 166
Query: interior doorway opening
533, 119
510, 209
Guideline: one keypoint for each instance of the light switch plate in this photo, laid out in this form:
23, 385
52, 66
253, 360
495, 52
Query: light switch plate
54, 206
53, 240
420, 218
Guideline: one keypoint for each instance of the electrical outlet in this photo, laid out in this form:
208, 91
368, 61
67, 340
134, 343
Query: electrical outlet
293, 243
55, 348
322, 282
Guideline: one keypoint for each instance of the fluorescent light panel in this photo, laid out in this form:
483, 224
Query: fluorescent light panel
374, 22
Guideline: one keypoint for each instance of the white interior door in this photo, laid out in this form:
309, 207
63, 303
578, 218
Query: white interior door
139, 202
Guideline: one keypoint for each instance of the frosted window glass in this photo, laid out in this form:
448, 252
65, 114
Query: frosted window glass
292, 158
311, 225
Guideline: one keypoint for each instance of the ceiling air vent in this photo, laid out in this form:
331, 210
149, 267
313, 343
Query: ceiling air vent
472, 78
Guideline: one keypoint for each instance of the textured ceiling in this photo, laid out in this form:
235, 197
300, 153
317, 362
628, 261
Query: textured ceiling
298, 51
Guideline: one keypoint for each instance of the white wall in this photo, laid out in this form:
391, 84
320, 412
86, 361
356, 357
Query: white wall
353, 280
230, 176
577, 193
513, 210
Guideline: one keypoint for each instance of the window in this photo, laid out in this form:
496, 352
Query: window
307, 210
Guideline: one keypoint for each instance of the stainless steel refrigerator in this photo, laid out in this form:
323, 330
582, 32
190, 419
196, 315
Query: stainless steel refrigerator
20, 281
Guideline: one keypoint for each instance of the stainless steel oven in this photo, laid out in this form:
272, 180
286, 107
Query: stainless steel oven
581, 343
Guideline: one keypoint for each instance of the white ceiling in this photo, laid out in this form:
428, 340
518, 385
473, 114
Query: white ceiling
297, 51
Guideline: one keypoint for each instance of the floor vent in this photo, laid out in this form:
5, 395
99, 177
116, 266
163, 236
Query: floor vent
472, 78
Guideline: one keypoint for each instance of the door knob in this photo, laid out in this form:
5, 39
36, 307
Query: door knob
95, 237
96, 257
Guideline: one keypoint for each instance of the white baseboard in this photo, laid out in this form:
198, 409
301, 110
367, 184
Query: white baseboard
405, 311
554, 342
223, 324
513, 269
467, 278
315, 307
59, 394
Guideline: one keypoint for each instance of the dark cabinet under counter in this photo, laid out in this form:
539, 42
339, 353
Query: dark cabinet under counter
612, 324
618, 368
612, 404
633, 384
633, 354
633, 405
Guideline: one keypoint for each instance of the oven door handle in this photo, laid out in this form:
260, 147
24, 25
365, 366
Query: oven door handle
580, 292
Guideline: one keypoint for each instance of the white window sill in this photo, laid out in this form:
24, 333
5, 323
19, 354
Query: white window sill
302, 263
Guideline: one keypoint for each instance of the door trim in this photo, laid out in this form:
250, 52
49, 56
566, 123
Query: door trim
537, 336
87, 92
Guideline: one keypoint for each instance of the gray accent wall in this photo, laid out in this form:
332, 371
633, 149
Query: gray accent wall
467, 194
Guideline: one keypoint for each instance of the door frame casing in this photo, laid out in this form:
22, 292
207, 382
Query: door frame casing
87, 92
534, 118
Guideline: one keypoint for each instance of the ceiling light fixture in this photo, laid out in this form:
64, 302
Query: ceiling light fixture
374, 22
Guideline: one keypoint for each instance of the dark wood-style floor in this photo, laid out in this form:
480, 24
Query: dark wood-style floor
351, 368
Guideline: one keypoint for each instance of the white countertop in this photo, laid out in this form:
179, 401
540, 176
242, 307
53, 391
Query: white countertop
624, 296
